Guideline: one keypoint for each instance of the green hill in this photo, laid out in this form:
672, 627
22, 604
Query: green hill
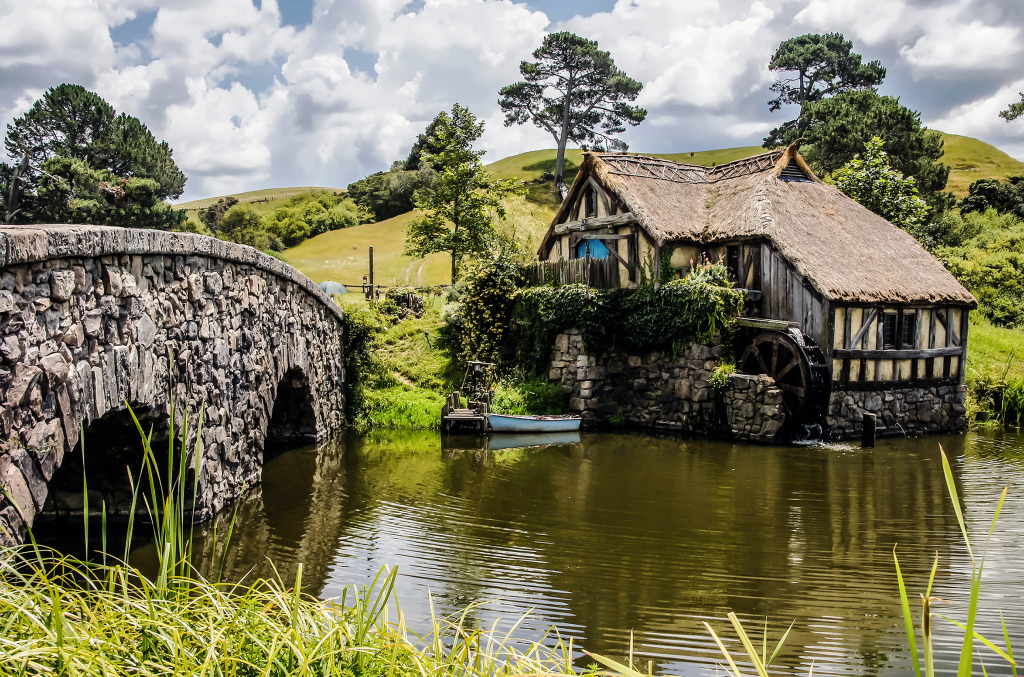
970, 159
342, 255
261, 198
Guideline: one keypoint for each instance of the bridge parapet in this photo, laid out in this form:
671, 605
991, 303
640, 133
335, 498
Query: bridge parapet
93, 317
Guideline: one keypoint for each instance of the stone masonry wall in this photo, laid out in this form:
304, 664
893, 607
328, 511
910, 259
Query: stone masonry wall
92, 317
753, 407
900, 411
664, 392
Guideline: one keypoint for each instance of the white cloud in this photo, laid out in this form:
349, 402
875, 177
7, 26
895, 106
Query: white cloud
246, 102
980, 119
965, 46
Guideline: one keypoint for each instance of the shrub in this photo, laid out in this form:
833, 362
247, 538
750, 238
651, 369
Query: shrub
719, 380
536, 395
698, 307
485, 315
989, 262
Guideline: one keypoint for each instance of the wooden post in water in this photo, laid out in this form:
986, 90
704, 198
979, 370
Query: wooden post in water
867, 438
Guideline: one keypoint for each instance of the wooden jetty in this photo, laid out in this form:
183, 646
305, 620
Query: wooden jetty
456, 418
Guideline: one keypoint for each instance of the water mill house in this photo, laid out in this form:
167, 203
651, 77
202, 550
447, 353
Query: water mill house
847, 312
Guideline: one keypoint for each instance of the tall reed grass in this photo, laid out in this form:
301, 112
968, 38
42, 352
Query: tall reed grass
64, 616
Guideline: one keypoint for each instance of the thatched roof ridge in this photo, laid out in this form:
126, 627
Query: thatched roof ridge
845, 251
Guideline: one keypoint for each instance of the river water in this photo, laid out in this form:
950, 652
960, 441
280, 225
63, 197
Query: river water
627, 533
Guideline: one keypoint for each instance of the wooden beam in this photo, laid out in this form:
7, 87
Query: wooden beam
596, 223
864, 327
760, 323
598, 236
883, 386
909, 354
965, 324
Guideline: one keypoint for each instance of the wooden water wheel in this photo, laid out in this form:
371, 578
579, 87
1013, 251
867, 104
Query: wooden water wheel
796, 364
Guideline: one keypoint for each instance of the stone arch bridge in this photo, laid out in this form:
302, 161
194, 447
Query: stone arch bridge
93, 317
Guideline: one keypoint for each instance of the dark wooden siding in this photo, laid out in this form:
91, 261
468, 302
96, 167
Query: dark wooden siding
786, 295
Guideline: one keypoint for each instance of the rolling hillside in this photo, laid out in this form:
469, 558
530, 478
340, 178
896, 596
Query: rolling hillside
263, 199
342, 255
970, 159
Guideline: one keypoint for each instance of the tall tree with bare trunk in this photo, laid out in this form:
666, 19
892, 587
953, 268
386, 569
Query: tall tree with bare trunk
575, 92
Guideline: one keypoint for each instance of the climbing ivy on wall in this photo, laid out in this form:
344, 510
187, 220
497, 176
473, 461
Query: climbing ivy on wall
696, 308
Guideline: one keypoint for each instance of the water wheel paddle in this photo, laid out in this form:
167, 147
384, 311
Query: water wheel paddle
796, 364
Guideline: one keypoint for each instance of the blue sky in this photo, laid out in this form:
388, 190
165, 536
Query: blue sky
252, 94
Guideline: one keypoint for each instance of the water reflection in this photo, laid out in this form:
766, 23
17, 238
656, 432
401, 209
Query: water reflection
616, 533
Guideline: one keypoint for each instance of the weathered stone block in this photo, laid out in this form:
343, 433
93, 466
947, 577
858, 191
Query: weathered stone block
62, 284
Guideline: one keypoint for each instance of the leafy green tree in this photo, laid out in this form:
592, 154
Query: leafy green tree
390, 193
69, 122
871, 181
212, 216
1014, 110
816, 66
460, 209
70, 191
838, 128
1006, 197
575, 92
988, 259
423, 144
244, 225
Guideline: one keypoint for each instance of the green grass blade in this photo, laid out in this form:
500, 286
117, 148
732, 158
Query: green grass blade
85, 493
981, 638
1009, 646
951, 487
778, 647
619, 667
725, 652
908, 620
748, 645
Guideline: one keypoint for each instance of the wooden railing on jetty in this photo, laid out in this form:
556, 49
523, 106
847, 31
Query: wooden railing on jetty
596, 273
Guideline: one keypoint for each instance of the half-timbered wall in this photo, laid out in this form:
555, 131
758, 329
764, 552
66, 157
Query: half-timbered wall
902, 344
594, 202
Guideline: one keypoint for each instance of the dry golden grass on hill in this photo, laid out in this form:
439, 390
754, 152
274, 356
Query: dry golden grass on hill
342, 255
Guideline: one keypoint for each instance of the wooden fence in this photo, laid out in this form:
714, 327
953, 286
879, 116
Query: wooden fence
596, 273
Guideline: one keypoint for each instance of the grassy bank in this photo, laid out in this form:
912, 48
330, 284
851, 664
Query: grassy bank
64, 616
995, 374
408, 366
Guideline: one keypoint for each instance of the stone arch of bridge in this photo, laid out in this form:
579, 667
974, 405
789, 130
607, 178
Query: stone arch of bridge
93, 318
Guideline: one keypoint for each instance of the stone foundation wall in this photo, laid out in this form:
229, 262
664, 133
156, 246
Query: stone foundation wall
753, 407
663, 392
933, 409
94, 317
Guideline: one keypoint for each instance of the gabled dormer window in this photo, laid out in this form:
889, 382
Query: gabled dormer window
792, 172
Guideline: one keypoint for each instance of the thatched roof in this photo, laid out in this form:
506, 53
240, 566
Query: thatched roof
844, 250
